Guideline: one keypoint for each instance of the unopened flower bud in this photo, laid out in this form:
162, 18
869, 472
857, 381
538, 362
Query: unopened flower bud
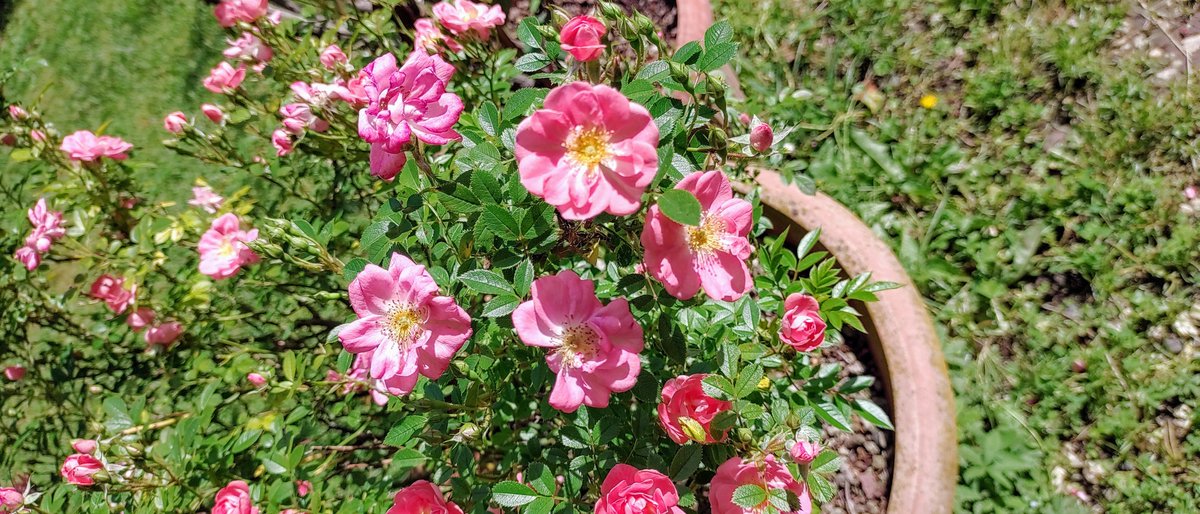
468, 431
745, 435
611, 11
761, 137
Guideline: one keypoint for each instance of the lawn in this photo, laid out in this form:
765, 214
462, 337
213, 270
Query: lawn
1036, 197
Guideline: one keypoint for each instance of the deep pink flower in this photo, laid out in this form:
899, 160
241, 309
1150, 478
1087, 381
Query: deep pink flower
712, 255
8, 139
282, 142
175, 122
761, 137
163, 335
594, 346
256, 379
403, 324
801, 325
803, 452
250, 49
460, 16
48, 221
770, 474
79, 468
422, 497
588, 150
85, 146
14, 373
685, 402
225, 78
581, 37
84, 445
204, 198
140, 318
298, 117
17, 112
628, 490
212, 112
302, 487
230, 12
47, 228
332, 57
403, 102
11, 500
430, 38
28, 257
234, 499
223, 250
111, 290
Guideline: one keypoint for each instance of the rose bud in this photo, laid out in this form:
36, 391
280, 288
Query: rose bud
761, 137
581, 38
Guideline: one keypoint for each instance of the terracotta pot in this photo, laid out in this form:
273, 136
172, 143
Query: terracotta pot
903, 340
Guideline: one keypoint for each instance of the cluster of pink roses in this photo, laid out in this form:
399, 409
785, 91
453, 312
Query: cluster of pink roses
112, 291
312, 98
462, 18
47, 228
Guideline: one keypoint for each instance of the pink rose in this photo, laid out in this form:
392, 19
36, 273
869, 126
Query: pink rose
404, 328
140, 318
332, 57
581, 38
464, 15
38, 136
761, 137
407, 101
111, 290
225, 78
684, 402
11, 500
593, 347
14, 373
744, 118
163, 335
85, 146
16, 112
223, 249
28, 257
769, 474
204, 198
712, 255
627, 489
255, 379
803, 452
175, 122
79, 468
430, 38
212, 112
234, 499
801, 326
422, 497
588, 150
84, 445
230, 12
282, 142
298, 116
302, 487
250, 49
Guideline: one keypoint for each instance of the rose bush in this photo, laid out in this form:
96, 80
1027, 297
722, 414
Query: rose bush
429, 271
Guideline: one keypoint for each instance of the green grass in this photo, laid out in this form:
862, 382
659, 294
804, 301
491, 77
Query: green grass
125, 63
1037, 208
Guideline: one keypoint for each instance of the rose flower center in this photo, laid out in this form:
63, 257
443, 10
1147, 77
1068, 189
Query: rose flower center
577, 343
588, 147
707, 237
401, 322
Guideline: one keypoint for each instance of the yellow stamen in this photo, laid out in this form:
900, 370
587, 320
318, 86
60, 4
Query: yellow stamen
578, 342
401, 322
588, 147
708, 236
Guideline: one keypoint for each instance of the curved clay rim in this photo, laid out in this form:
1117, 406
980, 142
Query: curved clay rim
902, 336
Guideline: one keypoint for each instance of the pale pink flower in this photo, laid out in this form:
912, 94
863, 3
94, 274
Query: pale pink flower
297, 117
256, 379
744, 118
1191, 192
11, 500
303, 487
250, 49
282, 142
205, 198
223, 250
430, 38
460, 16
422, 497
581, 37
17, 112
410, 100
14, 373
234, 499
40, 136
47, 228
712, 255
404, 326
175, 122
86, 146
628, 490
588, 150
594, 347
761, 137
351, 91
801, 325
28, 257
685, 402
803, 452
84, 445
79, 468
332, 57
230, 12
212, 112
140, 318
770, 474
163, 335
111, 290
225, 78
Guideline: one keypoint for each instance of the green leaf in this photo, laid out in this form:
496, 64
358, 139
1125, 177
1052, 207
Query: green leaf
532, 62
405, 430
827, 462
681, 206
523, 278
878, 152
513, 494
116, 415
687, 52
501, 305
541, 478
873, 413
832, 415
856, 384
542, 505
749, 496
485, 281
719, 32
489, 118
528, 33
407, 458
821, 489
718, 387
729, 359
499, 221
273, 467
654, 71
807, 243
747, 381
716, 56
518, 104
687, 460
